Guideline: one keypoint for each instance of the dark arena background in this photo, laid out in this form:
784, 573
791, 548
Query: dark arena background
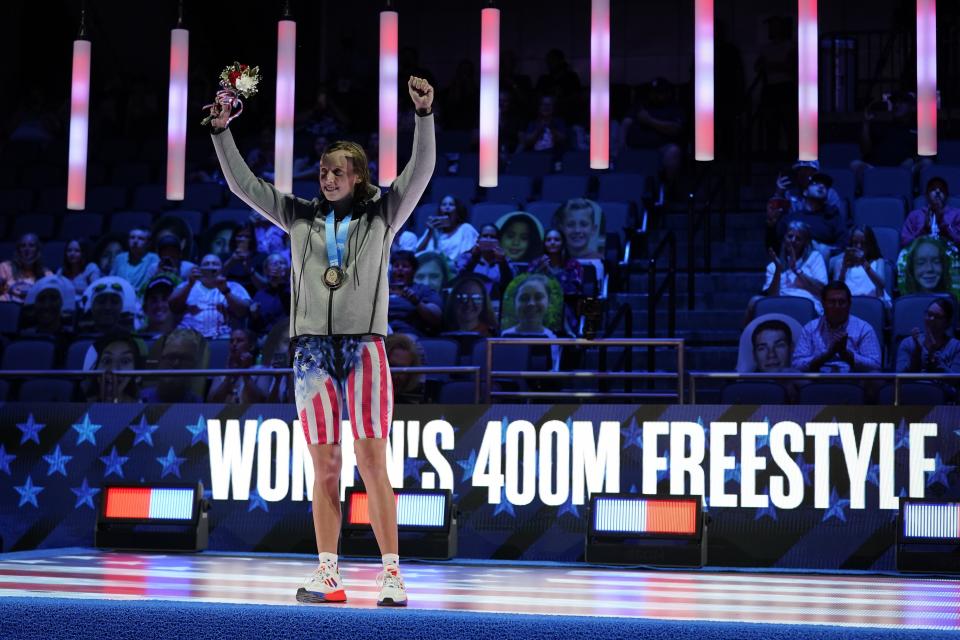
671, 330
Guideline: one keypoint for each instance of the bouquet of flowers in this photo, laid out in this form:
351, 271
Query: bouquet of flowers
236, 80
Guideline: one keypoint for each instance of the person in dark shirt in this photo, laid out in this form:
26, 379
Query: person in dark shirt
825, 221
414, 308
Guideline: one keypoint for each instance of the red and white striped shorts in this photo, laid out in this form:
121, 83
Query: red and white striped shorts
331, 369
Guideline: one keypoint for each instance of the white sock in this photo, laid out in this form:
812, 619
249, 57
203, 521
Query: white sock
328, 558
391, 561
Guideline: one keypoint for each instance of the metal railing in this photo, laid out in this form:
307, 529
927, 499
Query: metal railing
105, 376
821, 377
491, 373
698, 221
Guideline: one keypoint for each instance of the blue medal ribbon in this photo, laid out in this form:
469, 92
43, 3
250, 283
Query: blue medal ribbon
336, 243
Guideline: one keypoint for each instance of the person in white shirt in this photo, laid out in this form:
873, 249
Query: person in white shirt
861, 267
448, 231
798, 270
210, 304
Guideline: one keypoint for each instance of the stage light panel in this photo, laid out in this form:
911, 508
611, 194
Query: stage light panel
419, 509
168, 517
925, 521
149, 503
642, 516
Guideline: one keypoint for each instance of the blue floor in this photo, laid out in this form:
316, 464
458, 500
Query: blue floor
52, 618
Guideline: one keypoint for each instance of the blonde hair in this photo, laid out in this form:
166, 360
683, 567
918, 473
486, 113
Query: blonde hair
358, 158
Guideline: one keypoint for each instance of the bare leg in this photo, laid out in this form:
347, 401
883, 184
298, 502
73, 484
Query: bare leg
326, 495
372, 463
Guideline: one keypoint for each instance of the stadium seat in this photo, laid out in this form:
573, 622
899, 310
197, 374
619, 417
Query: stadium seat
529, 163
462, 188
800, 309
76, 354
219, 353
880, 211
915, 393
236, 216
511, 189
832, 393
203, 196
562, 187
107, 198
9, 317
543, 210
46, 390
28, 355
623, 187
871, 310
193, 219
488, 213
838, 155
753, 392
888, 239
150, 197
123, 221
888, 181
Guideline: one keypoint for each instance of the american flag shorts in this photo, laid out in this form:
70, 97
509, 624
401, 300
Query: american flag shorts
330, 371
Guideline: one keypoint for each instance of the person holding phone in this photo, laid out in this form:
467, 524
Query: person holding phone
448, 231
488, 260
340, 242
210, 303
414, 308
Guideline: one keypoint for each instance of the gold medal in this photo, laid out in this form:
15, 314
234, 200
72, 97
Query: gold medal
334, 277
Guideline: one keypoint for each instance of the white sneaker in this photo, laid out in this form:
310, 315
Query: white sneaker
325, 585
392, 592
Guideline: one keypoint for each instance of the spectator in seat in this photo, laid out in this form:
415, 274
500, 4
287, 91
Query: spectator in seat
49, 308
158, 317
434, 270
235, 389
218, 239
581, 222
20, 273
116, 352
534, 302
448, 231
936, 219
798, 270
546, 133
468, 308
487, 259
861, 267
837, 342
656, 118
172, 264
137, 264
928, 265
824, 220
521, 237
792, 184
403, 350
271, 303
77, 268
109, 306
106, 251
557, 262
210, 303
414, 308
932, 349
767, 344
244, 262
183, 349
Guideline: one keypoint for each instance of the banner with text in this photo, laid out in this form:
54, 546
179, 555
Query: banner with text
785, 486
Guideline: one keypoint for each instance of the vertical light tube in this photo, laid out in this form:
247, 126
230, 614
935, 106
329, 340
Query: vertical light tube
286, 85
177, 113
389, 34
600, 84
703, 80
79, 118
807, 96
489, 96
927, 77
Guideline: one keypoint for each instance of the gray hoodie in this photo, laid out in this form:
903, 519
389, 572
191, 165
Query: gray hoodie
359, 307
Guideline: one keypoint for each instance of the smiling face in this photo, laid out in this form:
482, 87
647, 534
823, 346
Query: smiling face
771, 350
469, 304
579, 229
515, 240
927, 266
337, 176
532, 300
